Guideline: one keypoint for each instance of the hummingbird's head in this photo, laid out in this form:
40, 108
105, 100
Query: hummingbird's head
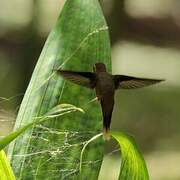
99, 67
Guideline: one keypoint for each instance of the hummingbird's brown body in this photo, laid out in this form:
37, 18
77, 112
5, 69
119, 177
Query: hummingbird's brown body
105, 85
105, 89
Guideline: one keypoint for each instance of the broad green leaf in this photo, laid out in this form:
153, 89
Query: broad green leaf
6, 172
79, 39
55, 112
133, 165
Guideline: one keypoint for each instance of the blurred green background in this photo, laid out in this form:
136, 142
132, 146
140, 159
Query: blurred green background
145, 38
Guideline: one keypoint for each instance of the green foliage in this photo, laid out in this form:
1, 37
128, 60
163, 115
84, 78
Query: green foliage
52, 149
62, 148
57, 111
132, 165
6, 172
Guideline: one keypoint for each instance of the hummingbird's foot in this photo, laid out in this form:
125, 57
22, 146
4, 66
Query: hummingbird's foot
93, 100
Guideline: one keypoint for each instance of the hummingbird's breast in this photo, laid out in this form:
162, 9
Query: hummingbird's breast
105, 85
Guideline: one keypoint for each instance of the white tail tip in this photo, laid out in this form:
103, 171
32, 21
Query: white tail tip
106, 135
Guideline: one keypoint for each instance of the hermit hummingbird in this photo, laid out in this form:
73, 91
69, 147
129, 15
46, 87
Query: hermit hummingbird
105, 85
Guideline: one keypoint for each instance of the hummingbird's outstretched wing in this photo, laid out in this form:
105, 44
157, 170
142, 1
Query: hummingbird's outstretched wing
128, 82
86, 79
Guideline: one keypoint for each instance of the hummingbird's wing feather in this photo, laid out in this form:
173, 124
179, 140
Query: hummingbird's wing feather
86, 79
128, 82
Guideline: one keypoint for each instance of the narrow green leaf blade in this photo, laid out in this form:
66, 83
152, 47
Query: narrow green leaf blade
79, 39
133, 165
56, 111
62, 108
6, 172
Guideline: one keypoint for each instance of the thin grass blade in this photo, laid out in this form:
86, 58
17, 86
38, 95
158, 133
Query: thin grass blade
57, 111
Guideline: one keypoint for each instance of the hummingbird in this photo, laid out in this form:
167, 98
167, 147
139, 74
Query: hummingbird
105, 85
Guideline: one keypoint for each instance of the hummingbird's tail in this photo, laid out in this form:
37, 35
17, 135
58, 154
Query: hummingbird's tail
106, 135
107, 108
